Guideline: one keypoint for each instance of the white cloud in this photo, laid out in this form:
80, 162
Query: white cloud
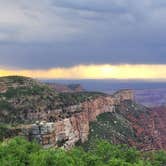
59, 20
35, 21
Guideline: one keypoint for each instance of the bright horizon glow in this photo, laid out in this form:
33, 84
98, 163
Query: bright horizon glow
104, 71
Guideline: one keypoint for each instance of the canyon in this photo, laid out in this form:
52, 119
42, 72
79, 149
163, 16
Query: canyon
151, 97
38, 112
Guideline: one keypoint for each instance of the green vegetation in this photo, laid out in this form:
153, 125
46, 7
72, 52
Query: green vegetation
112, 127
21, 96
6, 132
78, 97
5, 105
23, 91
19, 152
14, 79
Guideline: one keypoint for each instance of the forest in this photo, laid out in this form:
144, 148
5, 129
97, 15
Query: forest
20, 152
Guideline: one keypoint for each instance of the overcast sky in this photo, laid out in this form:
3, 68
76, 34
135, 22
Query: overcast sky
43, 34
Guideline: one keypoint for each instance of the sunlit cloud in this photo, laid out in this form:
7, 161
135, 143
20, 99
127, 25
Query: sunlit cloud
105, 71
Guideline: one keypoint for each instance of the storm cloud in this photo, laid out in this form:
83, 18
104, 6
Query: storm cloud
44, 34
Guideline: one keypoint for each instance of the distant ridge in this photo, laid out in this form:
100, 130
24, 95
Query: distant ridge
66, 88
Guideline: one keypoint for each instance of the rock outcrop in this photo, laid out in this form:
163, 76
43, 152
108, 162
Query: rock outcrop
132, 124
145, 127
66, 132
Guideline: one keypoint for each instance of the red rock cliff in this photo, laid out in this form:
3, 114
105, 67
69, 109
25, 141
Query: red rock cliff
68, 131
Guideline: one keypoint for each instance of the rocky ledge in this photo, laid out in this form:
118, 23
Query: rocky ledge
67, 131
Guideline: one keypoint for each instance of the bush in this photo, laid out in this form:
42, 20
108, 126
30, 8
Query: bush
19, 152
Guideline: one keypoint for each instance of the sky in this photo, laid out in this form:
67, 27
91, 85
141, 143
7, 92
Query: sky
79, 39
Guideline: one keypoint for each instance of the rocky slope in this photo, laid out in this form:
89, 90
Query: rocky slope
131, 124
24, 100
159, 116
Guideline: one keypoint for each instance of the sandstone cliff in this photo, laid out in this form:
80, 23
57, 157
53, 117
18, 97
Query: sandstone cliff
66, 132
125, 122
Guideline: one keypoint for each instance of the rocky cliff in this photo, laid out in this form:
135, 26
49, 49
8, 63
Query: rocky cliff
116, 118
66, 132
131, 124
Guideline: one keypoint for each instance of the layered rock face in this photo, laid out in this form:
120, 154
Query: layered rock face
122, 95
147, 124
159, 126
66, 132
142, 124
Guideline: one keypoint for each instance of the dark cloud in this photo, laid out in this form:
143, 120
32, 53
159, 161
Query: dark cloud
47, 33
93, 5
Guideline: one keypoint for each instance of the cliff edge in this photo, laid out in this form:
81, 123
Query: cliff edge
37, 111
